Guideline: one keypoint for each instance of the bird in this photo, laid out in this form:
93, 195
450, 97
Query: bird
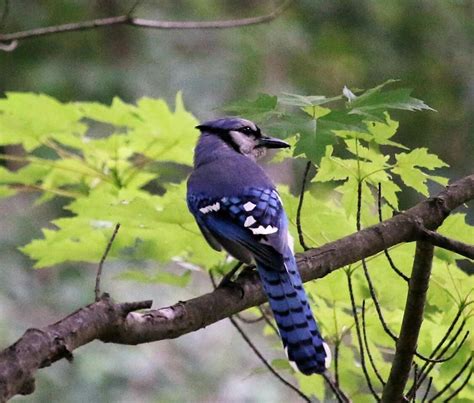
238, 209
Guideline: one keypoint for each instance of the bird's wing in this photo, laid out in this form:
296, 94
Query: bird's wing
254, 219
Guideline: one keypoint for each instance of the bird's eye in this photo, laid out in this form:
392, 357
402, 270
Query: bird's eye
246, 130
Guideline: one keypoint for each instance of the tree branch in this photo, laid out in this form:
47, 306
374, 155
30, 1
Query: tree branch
39, 348
9, 42
411, 324
449, 244
119, 323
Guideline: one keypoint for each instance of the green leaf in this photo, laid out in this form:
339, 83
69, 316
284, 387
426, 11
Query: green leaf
164, 135
74, 242
315, 111
118, 113
306, 101
408, 164
258, 109
382, 132
334, 168
374, 102
31, 119
312, 143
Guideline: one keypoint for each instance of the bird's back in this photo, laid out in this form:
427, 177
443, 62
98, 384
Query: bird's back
227, 175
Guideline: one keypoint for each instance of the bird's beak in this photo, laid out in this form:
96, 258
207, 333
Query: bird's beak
272, 142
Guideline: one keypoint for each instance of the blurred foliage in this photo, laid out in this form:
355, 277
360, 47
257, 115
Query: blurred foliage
102, 159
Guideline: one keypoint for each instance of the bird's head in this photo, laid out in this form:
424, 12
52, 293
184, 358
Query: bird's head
242, 135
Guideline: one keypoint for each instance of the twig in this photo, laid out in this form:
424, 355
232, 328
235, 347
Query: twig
447, 334
429, 365
268, 320
427, 391
461, 387
415, 378
446, 243
387, 254
336, 361
450, 357
134, 7
266, 363
359, 205
376, 303
384, 324
249, 320
359, 337
411, 324
300, 207
126, 19
366, 271
259, 354
426, 369
340, 395
364, 332
452, 380
372, 292
102, 260
444, 359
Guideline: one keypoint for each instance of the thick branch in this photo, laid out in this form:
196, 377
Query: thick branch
9, 41
39, 348
411, 324
119, 324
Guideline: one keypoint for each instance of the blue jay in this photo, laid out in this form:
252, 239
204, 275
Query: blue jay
237, 208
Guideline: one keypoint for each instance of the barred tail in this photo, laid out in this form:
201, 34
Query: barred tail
298, 329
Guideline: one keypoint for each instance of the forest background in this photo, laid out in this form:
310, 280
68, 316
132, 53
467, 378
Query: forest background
315, 47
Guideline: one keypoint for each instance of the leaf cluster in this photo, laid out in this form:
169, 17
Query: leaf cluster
107, 163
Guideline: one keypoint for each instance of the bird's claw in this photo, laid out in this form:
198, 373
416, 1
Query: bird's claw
228, 283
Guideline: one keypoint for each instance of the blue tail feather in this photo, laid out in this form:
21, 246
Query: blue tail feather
298, 329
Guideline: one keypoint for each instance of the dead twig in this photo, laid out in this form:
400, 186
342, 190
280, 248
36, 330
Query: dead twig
101, 264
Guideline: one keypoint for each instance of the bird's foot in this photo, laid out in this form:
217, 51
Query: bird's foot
227, 282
